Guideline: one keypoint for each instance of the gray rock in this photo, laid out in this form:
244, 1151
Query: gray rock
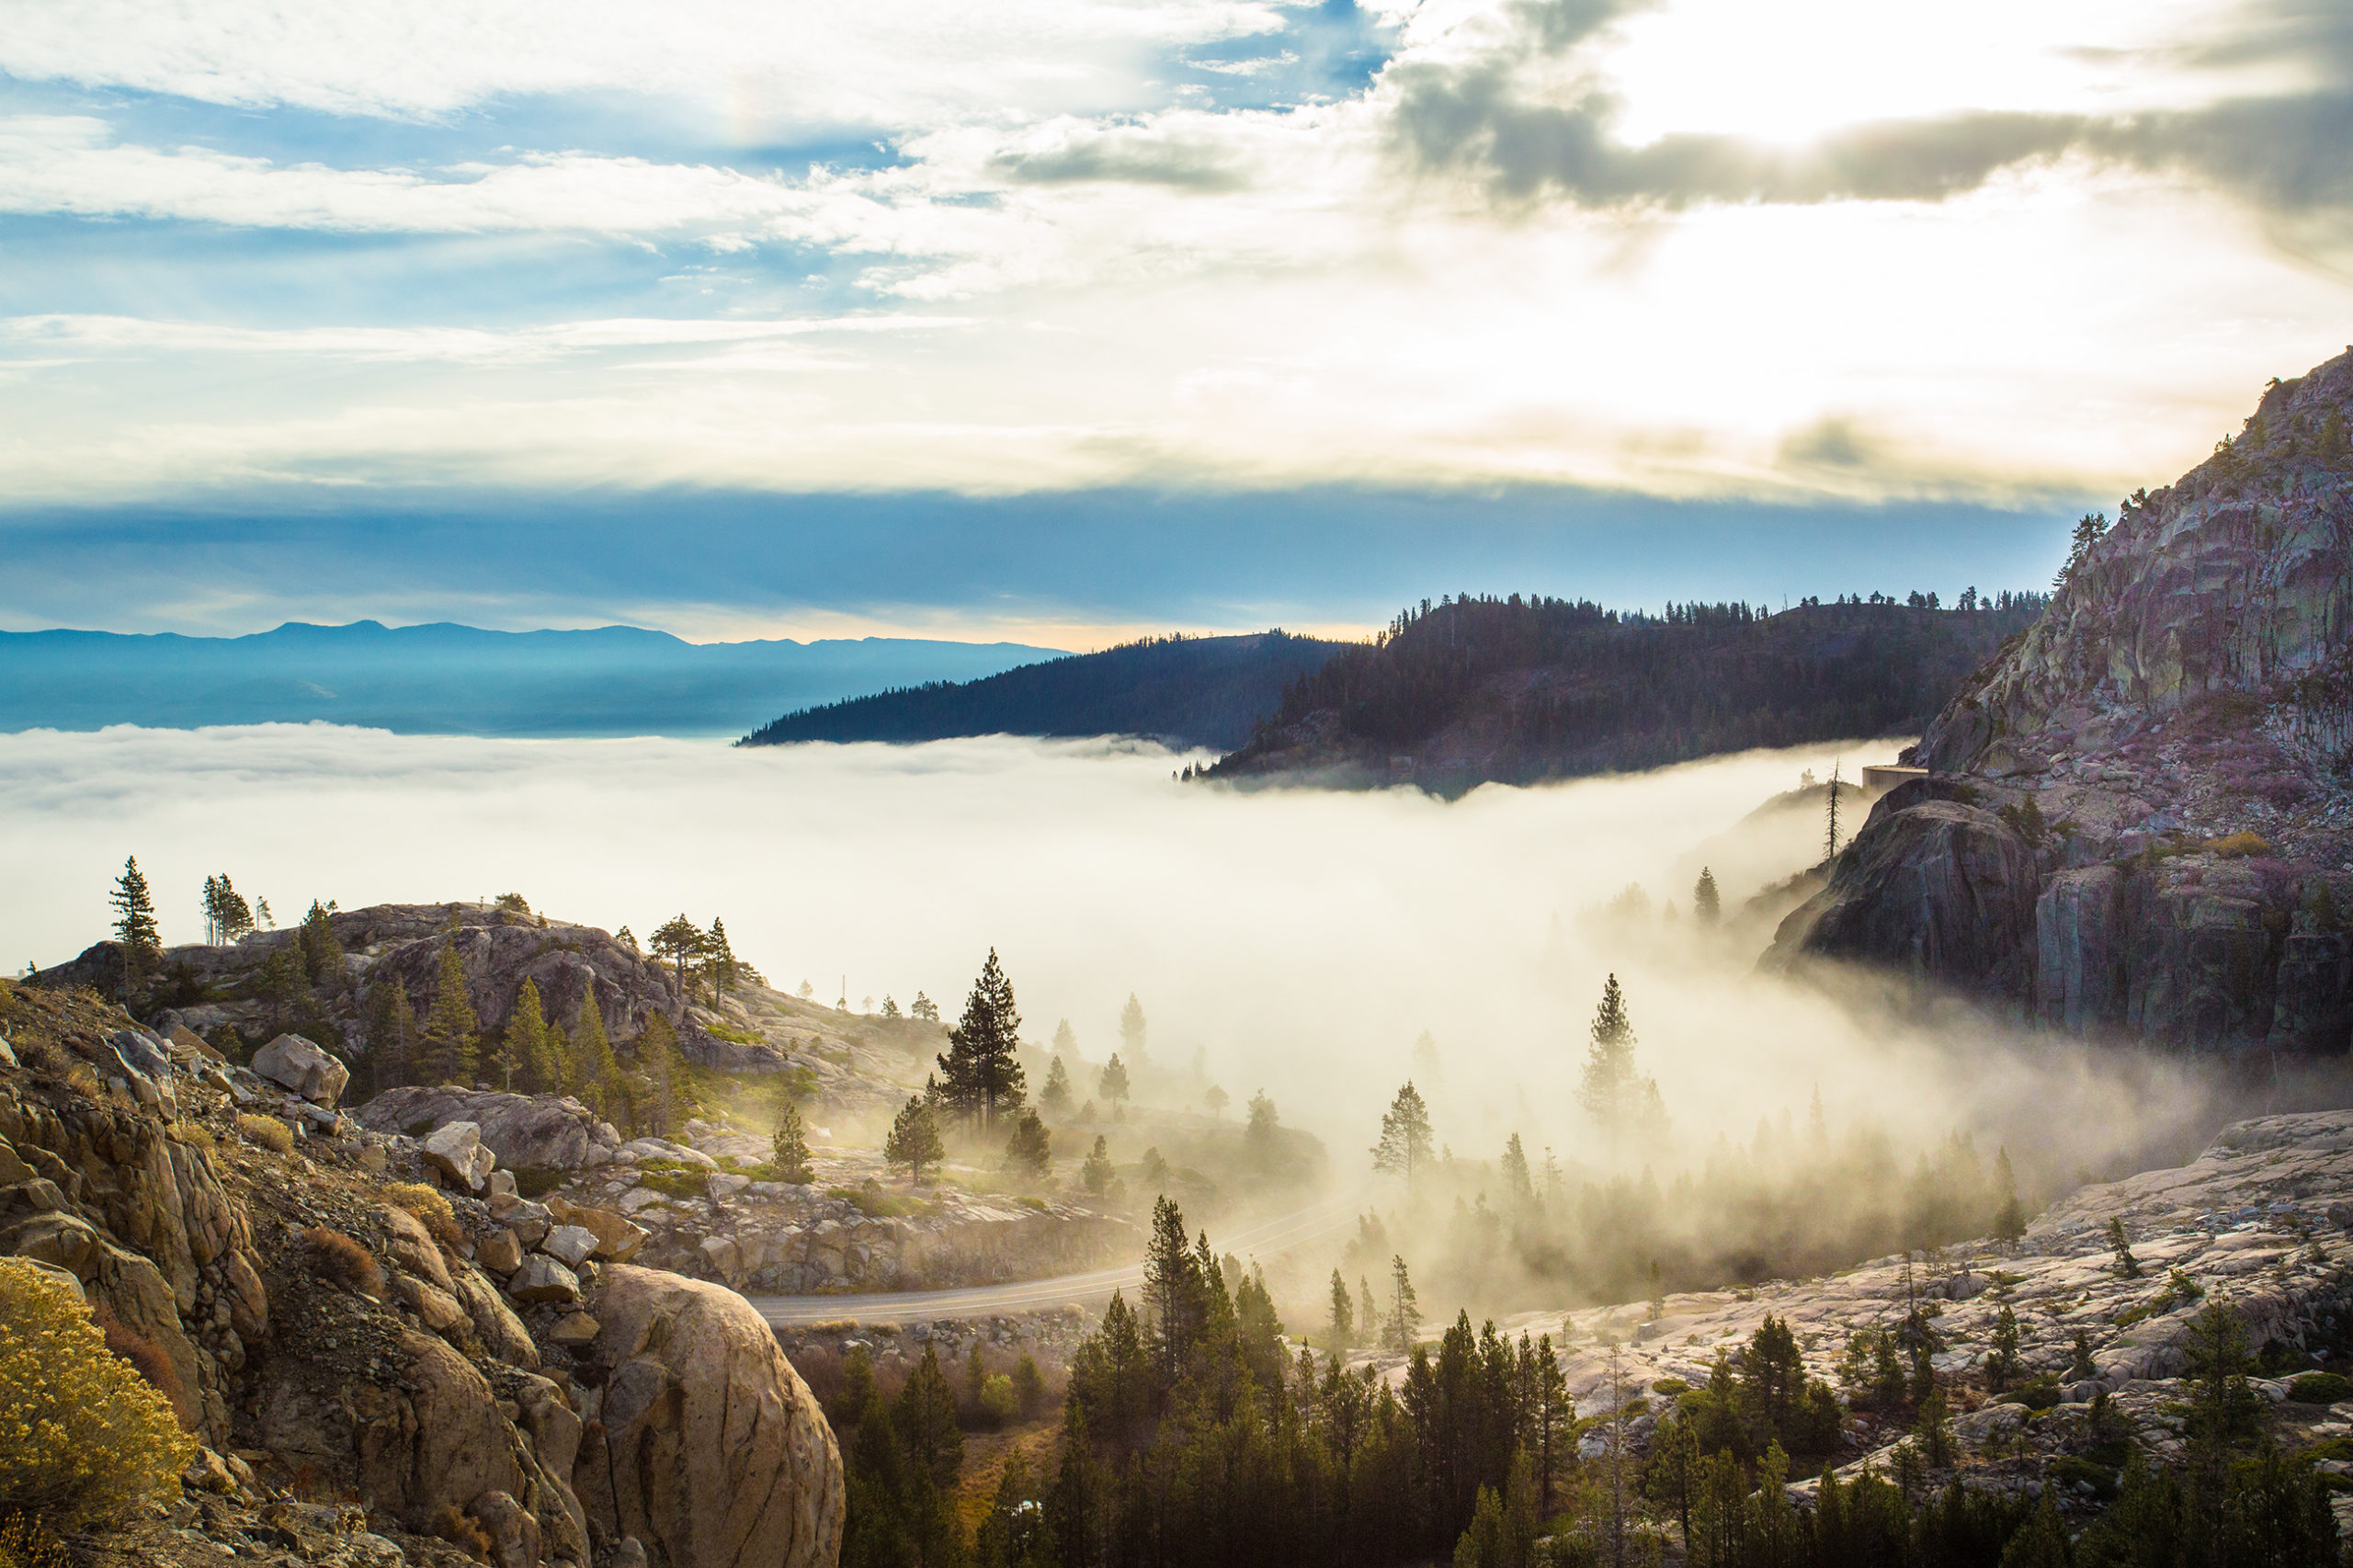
570, 1244
299, 1067
542, 1278
457, 1152
526, 1131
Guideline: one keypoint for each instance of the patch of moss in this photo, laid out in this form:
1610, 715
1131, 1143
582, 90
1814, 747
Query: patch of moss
2321, 1388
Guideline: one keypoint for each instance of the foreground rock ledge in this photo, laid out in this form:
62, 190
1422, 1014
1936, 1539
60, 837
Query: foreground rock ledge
704, 1441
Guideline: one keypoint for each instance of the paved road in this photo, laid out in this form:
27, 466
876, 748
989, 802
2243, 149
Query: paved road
1263, 1240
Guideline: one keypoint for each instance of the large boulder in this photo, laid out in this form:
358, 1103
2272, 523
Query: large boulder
1942, 890
457, 1152
617, 1236
295, 1064
526, 1131
713, 1451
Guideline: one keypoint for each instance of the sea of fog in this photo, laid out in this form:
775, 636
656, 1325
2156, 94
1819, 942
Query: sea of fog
1302, 940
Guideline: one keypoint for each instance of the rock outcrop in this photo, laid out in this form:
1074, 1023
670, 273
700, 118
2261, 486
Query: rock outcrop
292, 1062
372, 1382
703, 1441
526, 1131
2137, 816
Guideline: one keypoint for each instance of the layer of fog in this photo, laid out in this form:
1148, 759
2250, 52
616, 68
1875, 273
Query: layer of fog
1301, 940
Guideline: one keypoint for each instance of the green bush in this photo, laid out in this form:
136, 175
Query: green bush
674, 1179
2321, 1388
83, 1440
2040, 1392
2068, 1469
999, 1403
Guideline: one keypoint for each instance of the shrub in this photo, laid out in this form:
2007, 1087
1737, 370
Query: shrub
463, 1532
2236, 845
193, 1134
1029, 1386
430, 1205
672, 1179
84, 1439
999, 1403
339, 1260
268, 1131
25, 1544
144, 1356
2040, 1392
2321, 1388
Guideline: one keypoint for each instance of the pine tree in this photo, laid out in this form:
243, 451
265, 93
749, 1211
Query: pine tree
682, 942
914, 1138
1259, 1138
1405, 1322
724, 966
1519, 1189
1707, 903
1056, 1097
1173, 1290
2009, 1216
1132, 1033
664, 1071
1620, 1100
1405, 1139
1830, 837
1028, 1150
322, 954
135, 925
525, 1048
1097, 1173
982, 1075
392, 1037
2126, 1264
446, 1043
2001, 1359
1344, 1317
595, 1075
1113, 1082
1065, 1040
922, 1007
791, 1146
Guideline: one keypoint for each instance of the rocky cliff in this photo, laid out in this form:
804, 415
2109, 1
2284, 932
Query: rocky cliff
2135, 820
388, 1356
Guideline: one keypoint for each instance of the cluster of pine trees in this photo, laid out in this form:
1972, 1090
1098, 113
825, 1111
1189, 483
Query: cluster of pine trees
1563, 688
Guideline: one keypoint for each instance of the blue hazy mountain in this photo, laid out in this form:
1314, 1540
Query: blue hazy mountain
445, 679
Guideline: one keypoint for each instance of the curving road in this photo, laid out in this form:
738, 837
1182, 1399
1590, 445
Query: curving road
1265, 1239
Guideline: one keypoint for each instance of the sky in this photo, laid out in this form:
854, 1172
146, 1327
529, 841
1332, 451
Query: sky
1064, 319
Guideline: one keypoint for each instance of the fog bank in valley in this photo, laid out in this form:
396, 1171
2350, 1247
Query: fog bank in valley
1300, 941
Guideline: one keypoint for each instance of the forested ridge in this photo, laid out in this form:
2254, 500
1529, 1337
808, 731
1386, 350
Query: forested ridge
1515, 689
1194, 691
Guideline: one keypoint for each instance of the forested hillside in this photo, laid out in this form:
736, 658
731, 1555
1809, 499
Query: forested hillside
1470, 692
1193, 692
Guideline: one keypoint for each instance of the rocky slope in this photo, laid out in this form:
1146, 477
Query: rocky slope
855, 1061
377, 1379
2136, 818
2258, 1222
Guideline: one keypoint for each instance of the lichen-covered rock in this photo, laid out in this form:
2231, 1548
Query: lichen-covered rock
713, 1450
295, 1063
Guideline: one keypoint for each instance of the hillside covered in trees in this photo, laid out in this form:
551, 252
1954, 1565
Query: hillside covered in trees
1190, 691
1470, 692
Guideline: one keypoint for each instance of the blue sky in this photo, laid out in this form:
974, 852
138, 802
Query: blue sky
1061, 319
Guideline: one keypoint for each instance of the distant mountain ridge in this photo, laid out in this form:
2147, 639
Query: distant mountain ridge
1190, 692
1471, 691
446, 678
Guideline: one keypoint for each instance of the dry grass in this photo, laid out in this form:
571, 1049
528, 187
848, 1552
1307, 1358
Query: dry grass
267, 1131
195, 1134
462, 1533
146, 1357
431, 1206
339, 1260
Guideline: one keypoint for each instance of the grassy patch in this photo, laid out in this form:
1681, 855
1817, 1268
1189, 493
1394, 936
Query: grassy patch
674, 1179
2069, 1471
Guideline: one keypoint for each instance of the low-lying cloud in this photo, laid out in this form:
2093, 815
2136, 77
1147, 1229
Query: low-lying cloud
1299, 941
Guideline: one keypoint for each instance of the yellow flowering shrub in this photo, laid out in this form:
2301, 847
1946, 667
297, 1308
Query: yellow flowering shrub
83, 1438
430, 1205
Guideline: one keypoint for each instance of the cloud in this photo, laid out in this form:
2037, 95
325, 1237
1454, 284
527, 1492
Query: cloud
753, 67
1264, 931
1071, 154
1520, 116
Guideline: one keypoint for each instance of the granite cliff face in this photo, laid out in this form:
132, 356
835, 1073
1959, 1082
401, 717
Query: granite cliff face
2136, 819
387, 1355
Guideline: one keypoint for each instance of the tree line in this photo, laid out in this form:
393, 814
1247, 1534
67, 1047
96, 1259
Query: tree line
1594, 691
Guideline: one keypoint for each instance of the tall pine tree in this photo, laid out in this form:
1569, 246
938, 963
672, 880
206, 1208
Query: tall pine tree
135, 925
981, 1077
525, 1050
1622, 1102
448, 1042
